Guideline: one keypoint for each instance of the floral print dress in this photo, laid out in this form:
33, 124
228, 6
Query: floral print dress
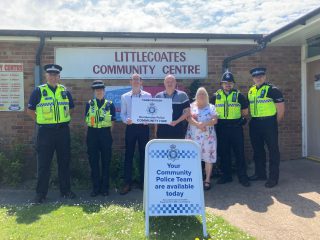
206, 139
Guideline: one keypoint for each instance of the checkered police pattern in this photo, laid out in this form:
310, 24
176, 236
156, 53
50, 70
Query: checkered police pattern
180, 154
173, 209
45, 104
263, 101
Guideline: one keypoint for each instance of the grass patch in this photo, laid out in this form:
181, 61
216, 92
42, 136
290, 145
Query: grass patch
104, 221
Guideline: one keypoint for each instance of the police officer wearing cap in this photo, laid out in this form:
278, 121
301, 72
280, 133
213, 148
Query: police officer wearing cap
100, 114
232, 108
50, 106
267, 110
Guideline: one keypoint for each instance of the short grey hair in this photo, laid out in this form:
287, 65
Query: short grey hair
136, 75
170, 76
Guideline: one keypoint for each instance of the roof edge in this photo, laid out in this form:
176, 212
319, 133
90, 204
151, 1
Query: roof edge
38, 33
300, 21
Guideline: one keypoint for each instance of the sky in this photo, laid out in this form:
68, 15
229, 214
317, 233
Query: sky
183, 16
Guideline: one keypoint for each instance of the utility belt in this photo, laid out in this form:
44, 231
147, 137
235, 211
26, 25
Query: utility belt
264, 118
54, 126
93, 128
228, 122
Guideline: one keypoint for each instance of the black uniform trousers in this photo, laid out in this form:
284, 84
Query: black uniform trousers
265, 131
51, 138
230, 136
99, 143
134, 133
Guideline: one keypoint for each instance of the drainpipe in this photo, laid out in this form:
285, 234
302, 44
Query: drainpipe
38, 76
37, 67
262, 44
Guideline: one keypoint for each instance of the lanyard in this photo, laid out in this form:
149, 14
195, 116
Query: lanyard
136, 94
166, 96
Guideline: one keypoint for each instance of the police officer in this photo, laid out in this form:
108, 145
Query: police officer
232, 108
267, 110
100, 114
49, 106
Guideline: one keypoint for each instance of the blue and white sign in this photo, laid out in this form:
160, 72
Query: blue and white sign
173, 180
114, 93
151, 110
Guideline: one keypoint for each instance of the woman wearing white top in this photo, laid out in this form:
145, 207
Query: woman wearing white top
201, 130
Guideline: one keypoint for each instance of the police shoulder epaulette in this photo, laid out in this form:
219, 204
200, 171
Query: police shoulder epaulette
62, 86
91, 102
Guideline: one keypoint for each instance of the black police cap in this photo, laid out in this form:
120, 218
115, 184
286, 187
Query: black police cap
97, 84
227, 77
258, 71
52, 68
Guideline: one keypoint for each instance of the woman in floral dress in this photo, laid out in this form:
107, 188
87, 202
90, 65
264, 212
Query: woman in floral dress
201, 130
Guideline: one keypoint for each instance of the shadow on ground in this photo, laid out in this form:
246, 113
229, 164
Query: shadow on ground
297, 177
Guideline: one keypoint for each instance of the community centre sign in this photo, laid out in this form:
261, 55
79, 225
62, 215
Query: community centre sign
121, 63
173, 180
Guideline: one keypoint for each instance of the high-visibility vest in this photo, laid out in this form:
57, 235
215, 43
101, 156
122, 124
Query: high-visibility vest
260, 104
53, 108
99, 117
228, 106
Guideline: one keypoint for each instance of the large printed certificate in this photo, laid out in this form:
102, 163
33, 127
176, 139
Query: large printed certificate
151, 110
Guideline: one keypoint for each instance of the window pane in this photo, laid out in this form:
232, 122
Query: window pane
314, 47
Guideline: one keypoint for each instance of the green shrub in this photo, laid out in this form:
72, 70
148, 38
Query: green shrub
12, 165
192, 89
116, 169
79, 167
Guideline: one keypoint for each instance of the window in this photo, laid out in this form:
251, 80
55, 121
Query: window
313, 47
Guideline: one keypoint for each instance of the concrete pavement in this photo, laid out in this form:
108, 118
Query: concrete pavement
291, 210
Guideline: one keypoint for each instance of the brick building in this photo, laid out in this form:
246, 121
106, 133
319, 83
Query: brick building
286, 58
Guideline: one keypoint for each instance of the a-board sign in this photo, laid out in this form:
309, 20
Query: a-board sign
173, 180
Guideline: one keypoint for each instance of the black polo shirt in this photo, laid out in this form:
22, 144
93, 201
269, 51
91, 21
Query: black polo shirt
180, 101
274, 93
